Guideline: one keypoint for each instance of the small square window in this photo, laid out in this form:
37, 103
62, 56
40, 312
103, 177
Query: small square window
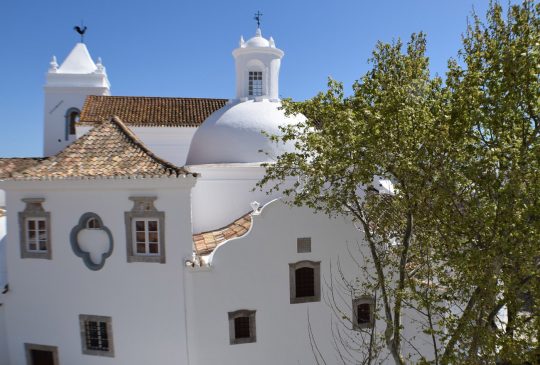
305, 282
303, 244
242, 327
35, 230
41, 354
96, 335
363, 312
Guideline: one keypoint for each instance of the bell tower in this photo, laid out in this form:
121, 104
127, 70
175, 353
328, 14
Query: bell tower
66, 88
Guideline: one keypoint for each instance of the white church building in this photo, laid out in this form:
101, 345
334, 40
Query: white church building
138, 238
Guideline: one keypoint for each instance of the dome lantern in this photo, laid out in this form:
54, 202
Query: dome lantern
257, 69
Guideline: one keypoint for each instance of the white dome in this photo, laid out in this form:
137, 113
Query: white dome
233, 134
258, 41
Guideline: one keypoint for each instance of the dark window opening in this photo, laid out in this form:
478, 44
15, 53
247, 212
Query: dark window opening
42, 357
73, 118
241, 327
93, 223
305, 282
363, 313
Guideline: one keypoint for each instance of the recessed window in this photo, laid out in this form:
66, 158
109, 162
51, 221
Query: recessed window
96, 335
41, 354
303, 244
35, 230
145, 231
93, 223
305, 282
363, 312
72, 117
255, 83
242, 327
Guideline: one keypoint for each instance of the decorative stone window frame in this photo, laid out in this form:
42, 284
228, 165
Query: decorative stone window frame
143, 207
303, 244
29, 347
34, 210
90, 220
316, 266
365, 299
252, 326
83, 318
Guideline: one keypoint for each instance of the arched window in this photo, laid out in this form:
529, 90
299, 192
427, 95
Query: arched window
242, 327
305, 282
72, 117
363, 312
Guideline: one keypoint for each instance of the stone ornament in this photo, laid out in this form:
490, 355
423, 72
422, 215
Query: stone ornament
92, 241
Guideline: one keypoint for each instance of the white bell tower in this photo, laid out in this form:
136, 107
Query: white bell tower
66, 89
257, 69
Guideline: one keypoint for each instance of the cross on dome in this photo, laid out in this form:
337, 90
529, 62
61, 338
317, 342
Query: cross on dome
257, 17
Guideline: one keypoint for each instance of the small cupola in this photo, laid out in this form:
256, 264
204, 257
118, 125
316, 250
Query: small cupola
257, 68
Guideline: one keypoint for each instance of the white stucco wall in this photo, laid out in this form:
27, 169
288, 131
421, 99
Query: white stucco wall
253, 273
58, 100
224, 193
3, 278
145, 300
169, 143
4, 355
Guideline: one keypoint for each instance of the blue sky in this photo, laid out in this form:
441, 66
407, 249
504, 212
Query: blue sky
183, 48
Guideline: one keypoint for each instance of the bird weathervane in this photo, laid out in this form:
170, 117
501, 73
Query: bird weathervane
257, 17
81, 30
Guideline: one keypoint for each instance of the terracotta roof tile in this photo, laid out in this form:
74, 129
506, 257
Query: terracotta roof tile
142, 111
108, 150
8, 166
206, 242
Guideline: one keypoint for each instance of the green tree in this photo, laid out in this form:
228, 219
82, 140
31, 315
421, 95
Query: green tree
458, 239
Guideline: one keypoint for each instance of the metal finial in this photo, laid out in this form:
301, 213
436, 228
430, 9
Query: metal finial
81, 30
257, 17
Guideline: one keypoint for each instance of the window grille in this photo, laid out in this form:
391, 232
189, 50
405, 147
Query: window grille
97, 337
303, 244
255, 83
242, 327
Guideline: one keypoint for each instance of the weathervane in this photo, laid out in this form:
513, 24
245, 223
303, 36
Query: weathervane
81, 30
258, 18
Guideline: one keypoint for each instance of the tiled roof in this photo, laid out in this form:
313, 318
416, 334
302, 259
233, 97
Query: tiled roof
142, 111
206, 242
109, 150
8, 166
